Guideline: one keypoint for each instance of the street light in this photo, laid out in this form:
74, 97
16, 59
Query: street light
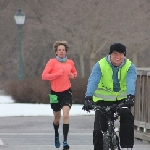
20, 19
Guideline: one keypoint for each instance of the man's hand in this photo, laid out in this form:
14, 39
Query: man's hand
71, 75
88, 104
129, 102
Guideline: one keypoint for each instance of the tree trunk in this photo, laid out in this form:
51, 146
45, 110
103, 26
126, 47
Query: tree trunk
82, 65
134, 57
92, 60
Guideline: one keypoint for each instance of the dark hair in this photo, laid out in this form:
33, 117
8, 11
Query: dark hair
118, 47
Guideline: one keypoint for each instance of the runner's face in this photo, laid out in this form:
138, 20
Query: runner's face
61, 51
116, 58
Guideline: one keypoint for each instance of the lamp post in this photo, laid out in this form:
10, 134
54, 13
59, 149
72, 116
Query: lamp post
20, 19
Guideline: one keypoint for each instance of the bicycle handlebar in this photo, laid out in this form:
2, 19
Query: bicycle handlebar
109, 108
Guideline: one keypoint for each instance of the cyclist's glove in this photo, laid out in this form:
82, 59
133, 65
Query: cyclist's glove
88, 104
129, 102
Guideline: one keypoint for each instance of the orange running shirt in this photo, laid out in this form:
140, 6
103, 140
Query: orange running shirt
58, 74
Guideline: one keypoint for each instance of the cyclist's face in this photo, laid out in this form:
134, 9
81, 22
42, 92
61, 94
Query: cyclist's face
61, 51
116, 58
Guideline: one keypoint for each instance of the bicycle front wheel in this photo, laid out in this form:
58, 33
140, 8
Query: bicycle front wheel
114, 143
106, 142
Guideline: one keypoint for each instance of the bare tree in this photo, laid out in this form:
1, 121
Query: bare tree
89, 26
134, 54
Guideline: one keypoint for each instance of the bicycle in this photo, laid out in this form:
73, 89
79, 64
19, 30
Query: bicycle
110, 137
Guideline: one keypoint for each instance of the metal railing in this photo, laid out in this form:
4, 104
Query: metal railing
141, 109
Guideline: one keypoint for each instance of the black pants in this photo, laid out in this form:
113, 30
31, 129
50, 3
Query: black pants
126, 129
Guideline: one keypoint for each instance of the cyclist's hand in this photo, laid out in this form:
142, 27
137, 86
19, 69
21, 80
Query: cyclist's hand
88, 104
129, 102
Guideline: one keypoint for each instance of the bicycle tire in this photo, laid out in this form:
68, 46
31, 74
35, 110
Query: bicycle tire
106, 142
110, 143
115, 143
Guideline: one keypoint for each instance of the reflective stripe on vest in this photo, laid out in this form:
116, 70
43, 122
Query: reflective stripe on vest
104, 90
109, 97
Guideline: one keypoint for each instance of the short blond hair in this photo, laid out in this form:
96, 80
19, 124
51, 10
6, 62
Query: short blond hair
57, 43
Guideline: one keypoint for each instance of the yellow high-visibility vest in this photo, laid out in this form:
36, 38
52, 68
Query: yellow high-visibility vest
104, 90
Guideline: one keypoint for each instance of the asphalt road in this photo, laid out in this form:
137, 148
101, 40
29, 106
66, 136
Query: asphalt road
36, 133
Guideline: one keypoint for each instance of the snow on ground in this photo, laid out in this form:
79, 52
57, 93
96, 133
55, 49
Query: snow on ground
9, 108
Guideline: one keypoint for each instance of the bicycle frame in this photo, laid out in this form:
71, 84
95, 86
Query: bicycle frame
110, 138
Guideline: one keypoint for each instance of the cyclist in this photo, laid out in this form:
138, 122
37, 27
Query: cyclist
112, 80
59, 71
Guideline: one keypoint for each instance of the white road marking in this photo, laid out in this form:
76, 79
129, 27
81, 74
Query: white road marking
1, 143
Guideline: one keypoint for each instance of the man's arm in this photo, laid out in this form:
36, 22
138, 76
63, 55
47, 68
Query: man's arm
46, 75
131, 80
131, 84
73, 71
93, 80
